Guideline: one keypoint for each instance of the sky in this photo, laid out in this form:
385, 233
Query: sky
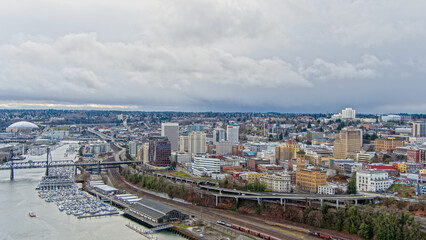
202, 55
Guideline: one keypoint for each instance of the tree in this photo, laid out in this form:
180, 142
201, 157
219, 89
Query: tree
351, 186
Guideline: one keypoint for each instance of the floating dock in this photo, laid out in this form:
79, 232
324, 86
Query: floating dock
99, 215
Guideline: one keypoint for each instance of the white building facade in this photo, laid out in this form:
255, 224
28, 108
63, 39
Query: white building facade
372, 181
204, 166
327, 190
277, 183
233, 133
348, 113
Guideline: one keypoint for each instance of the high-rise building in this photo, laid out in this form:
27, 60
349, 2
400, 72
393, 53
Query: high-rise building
224, 148
347, 143
419, 129
233, 133
159, 151
171, 131
348, 114
198, 127
183, 144
287, 151
196, 143
219, 135
132, 148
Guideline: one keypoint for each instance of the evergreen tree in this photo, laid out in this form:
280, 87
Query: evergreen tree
351, 187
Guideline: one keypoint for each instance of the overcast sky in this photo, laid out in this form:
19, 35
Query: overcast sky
199, 55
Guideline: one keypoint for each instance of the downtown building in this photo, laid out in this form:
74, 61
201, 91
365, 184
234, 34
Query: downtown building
233, 133
347, 143
219, 135
171, 131
196, 143
372, 181
204, 166
419, 129
277, 183
159, 153
287, 151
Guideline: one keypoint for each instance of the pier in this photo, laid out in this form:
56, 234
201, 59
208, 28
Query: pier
143, 233
99, 215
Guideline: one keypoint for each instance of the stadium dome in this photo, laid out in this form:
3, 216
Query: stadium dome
22, 125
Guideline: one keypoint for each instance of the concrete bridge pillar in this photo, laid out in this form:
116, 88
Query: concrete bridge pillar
322, 202
356, 202
217, 200
259, 201
12, 175
337, 204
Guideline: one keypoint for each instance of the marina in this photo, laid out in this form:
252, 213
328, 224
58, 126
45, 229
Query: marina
59, 187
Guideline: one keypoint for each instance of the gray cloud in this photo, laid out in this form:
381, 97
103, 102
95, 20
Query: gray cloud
212, 55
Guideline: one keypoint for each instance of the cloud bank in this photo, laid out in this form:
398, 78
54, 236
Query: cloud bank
214, 55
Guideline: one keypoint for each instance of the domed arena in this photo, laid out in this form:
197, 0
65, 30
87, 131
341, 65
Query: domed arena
22, 126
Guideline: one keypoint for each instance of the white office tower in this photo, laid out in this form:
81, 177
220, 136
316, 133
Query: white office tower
203, 166
348, 113
219, 135
232, 133
183, 144
196, 143
171, 131
132, 148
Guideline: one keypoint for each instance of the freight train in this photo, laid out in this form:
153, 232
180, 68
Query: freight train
267, 237
324, 235
248, 230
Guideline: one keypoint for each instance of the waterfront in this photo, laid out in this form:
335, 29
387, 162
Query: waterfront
18, 197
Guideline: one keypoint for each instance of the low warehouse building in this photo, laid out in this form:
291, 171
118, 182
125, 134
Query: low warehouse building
156, 212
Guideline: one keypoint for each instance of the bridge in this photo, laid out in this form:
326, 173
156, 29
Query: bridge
12, 165
302, 200
68, 163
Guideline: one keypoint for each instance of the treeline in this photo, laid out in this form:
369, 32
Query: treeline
366, 222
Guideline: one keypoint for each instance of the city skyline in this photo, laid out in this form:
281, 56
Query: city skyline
244, 56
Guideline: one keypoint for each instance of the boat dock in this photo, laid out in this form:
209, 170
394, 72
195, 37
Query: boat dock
134, 228
99, 215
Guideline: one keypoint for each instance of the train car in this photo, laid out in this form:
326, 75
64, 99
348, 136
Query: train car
235, 226
244, 229
252, 232
325, 236
264, 236
220, 222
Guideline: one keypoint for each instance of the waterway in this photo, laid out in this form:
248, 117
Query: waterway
19, 196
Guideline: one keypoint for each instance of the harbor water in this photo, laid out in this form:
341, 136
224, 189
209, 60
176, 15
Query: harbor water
19, 197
